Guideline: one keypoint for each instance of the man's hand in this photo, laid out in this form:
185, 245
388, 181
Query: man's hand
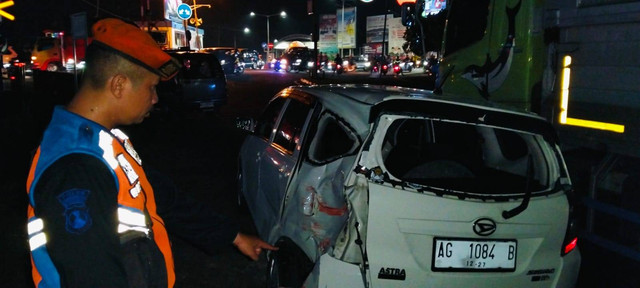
251, 245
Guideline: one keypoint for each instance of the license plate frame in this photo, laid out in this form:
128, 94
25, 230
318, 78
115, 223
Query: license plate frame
461, 245
207, 104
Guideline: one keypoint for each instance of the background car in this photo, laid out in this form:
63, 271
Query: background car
250, 59
201, 83
363, 63
294, 59
226, 56
417, 188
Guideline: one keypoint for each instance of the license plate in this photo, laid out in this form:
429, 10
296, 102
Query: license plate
206, 104
470, 255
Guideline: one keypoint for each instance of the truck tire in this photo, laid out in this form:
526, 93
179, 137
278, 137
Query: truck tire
54, 66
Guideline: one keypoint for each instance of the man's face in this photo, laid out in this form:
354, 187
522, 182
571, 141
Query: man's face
140, 96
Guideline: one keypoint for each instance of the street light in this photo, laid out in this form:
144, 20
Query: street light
282, 14
245, 31
195, 20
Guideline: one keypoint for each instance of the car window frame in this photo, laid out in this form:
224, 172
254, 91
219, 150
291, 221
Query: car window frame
281, 122
260, 120
313, 136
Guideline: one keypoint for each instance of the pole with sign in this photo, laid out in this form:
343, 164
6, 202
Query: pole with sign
184, 13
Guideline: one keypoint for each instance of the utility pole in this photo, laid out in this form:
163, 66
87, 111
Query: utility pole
384, 29
315, 36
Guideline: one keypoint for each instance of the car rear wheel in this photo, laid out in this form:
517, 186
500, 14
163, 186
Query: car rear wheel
287, 267
242, 202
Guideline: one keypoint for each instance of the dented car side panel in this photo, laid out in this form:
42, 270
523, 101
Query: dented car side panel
316, 208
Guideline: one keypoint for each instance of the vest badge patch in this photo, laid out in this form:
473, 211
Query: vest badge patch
76, 213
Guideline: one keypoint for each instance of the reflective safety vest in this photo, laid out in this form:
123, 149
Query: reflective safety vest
70, 133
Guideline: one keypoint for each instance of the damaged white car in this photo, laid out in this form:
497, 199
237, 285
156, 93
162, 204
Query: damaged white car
373, 186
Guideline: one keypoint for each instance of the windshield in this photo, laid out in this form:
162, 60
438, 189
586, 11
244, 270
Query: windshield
45, 44
468, 158
199, 66
299, 52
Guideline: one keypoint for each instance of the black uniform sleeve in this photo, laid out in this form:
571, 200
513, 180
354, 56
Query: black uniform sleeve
77, 199
191, 220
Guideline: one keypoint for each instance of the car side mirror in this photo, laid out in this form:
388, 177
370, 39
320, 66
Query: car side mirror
246, 124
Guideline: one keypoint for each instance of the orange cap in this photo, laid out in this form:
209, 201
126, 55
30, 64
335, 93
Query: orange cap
135, 45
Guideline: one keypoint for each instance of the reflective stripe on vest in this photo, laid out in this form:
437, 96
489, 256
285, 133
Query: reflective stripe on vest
37, 237
130, 220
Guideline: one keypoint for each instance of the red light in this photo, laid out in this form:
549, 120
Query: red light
400, 2
13, 77
571, 245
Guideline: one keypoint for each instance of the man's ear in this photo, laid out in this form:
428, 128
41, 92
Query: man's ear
117, 85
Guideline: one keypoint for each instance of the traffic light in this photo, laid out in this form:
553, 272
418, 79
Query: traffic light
407, 11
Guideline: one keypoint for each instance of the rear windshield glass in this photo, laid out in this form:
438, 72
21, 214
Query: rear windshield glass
468, 158
298, 52
199, 66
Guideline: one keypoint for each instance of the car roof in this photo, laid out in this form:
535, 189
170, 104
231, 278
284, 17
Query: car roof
186, 52
361, 104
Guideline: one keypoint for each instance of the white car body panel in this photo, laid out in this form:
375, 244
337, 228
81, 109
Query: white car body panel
402, 225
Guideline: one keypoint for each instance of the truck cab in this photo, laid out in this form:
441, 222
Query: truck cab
55, 51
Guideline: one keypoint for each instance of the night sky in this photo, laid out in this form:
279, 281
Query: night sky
220, 22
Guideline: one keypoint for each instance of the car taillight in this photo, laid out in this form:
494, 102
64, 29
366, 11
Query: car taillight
570, 241
396, 68
570, 238
570, 246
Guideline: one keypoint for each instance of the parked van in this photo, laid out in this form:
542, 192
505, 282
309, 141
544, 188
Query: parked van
200, 84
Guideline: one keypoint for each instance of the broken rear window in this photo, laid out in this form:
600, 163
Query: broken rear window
467, 157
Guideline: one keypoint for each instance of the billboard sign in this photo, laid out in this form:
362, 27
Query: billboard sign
433, 7
171, 10
328, 37
396, 35
346, 27
376, 30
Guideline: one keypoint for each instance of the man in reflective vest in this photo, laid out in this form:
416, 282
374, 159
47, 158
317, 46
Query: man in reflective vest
94, 219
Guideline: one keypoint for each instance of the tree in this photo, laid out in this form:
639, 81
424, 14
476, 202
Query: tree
429, 30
